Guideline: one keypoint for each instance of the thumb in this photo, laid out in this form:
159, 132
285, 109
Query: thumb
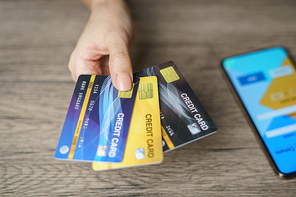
120, 65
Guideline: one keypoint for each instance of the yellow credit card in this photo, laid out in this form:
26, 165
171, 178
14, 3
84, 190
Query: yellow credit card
144, 141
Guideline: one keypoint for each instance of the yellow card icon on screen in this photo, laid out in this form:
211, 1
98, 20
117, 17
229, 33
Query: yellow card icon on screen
277, 96
144, 141
169, 74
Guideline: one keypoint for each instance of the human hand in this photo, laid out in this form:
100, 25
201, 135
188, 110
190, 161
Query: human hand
103, 48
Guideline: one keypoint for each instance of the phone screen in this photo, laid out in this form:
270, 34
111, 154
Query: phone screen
265, 81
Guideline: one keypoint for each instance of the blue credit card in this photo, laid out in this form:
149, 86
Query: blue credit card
183, 117
97, 122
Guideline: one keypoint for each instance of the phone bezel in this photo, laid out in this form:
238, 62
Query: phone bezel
248, 117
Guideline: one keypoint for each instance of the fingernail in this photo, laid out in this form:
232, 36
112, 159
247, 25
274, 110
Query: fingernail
124, 82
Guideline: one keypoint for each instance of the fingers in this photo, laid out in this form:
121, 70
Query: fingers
90, 60
120, 67
103, 46
120, 63
79, 65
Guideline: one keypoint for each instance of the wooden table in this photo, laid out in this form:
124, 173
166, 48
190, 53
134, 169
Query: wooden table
36, 40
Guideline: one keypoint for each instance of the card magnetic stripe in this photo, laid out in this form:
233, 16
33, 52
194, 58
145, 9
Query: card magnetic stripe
81, 117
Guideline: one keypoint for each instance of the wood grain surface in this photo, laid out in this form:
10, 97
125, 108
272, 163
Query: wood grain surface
36, 40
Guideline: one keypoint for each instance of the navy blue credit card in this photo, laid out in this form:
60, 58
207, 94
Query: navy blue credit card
97, 122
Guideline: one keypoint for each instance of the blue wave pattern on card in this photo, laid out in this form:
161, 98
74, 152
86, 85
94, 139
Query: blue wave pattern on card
105, 124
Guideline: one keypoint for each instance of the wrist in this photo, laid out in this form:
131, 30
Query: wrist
94, 4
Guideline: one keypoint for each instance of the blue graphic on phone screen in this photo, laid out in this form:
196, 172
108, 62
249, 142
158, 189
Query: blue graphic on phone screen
266, 83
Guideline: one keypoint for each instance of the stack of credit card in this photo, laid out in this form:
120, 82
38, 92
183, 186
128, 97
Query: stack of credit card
115, 129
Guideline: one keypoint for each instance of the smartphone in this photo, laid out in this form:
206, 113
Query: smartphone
264, 84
